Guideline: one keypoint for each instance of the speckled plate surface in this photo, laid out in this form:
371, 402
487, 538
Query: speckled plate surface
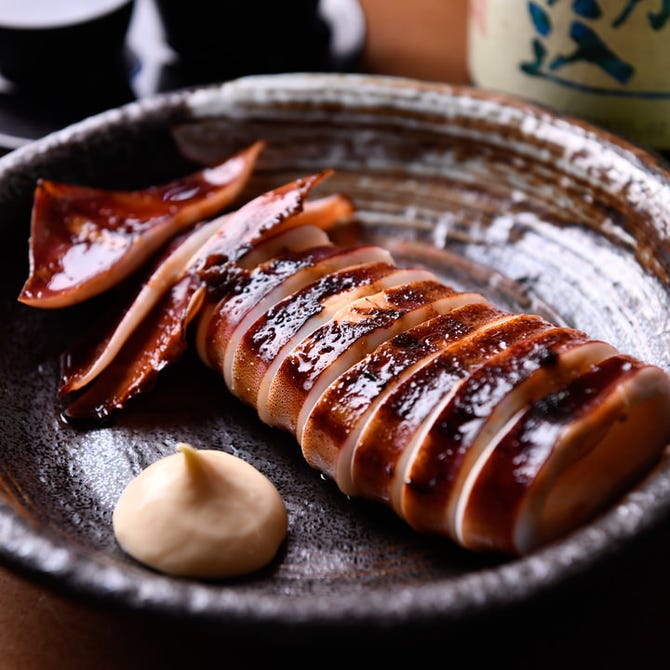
540, 213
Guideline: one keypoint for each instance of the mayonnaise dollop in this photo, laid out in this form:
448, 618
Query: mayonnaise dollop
201, 513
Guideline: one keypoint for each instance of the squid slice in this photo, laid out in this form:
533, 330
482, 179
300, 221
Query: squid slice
262, 345
308, 229
234, 318
159, 341
325, 212
301, 238
238, 233
268, 214
469, 420
336, 422
344, 339
383, 450
83, 240
582, 444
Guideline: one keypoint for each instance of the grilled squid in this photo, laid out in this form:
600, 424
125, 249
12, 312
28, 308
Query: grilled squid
501, 431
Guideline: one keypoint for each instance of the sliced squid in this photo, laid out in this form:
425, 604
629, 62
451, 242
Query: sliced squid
468, 421
584, 443
388, 439
335, 423
234, 317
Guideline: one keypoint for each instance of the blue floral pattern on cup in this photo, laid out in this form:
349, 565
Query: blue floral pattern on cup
589, 46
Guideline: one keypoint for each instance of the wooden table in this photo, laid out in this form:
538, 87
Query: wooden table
614, 618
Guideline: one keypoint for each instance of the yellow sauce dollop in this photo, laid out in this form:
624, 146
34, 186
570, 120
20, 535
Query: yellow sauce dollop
201, 513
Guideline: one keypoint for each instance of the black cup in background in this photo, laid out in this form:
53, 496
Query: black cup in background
55, 72
223, 39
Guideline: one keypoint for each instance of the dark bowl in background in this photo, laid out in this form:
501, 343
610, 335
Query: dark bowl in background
215, 41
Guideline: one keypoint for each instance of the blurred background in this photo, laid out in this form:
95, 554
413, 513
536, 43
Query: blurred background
606, 61
63, 60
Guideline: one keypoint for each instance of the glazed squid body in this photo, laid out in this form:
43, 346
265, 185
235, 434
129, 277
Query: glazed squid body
499, 430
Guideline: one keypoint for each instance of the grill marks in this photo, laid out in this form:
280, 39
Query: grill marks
387, 441
334, 425
256, 292
296, 316
572, 449
405, 391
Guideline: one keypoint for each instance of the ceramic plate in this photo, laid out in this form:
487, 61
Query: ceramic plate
539, 212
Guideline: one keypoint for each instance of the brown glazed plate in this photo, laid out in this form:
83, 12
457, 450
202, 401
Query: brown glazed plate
540, 212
